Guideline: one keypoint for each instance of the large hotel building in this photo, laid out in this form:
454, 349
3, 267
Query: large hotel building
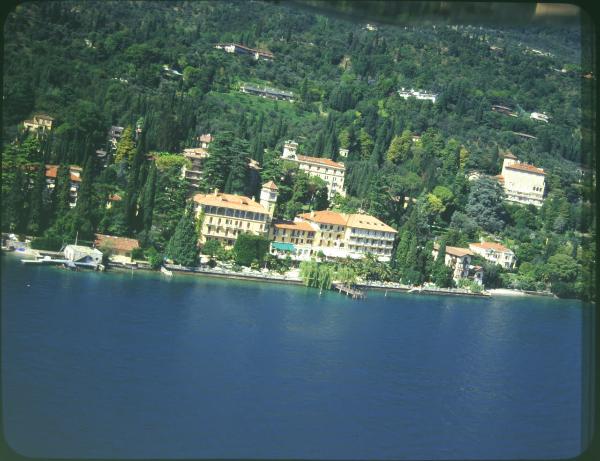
329, 171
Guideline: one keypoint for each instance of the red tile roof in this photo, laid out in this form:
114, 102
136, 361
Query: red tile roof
490, 246
322, 161
325, 217
116, 243
270, 185
454, 251
114, 198
525, 167
298, 225
52, 171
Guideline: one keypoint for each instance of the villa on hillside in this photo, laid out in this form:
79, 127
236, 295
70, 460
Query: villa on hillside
522, 182
242, 49
228, 215
39, 122
336, 235
423, 95
459, 259
121, 248
266, 92
75, 180
495, 253
329, 171
197, 156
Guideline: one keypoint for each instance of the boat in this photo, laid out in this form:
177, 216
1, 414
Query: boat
166, 271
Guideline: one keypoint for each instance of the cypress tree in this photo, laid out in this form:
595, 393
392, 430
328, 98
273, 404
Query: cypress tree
36, 202
16, 202
147, 201
61, 195
182, 247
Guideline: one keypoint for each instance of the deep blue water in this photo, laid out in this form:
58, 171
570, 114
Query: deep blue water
121, 365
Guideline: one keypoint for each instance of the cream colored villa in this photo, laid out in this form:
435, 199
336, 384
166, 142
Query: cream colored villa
39, 122
523, 183
329, 171
459, 259
495, 253
336, 235
228, 215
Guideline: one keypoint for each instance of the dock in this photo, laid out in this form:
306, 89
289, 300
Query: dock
355, 293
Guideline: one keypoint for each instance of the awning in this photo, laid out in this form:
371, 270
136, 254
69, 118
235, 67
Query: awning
283, 246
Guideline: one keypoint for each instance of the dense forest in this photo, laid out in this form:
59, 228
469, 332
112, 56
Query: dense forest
152, 67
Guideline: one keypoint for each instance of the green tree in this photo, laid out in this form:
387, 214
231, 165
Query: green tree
37, 214
125, 147
249, 248
183, 246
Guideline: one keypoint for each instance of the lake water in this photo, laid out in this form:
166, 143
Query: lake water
135, 365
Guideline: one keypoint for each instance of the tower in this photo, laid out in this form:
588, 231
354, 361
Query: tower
268, 197
509, 159
289, 150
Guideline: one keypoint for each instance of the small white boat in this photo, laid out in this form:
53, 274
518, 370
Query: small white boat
166, 271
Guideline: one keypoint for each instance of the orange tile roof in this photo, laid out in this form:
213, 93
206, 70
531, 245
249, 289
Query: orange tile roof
325, 217
526, 167
297, 225
365, 221
114, 198
321, 161
500, 178
52, 171
490, 246
235, 202
117, 243
454, 251
270, 185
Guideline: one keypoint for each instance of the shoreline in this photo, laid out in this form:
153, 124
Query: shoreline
227, 274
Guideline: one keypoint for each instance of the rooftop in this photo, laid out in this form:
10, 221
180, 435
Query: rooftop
84, 249
206, 138
235, 202
52, 171
325, 217
454, 251
270, 185
509, 154
490, 246
297, 225
526, 167
321, 161
365, 221
117, 243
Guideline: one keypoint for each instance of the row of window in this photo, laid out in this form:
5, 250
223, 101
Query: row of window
220, 211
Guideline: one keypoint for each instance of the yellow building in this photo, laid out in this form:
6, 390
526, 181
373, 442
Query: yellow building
329, 171
523, 183
459, 259
340, 235
227, 215
293, 238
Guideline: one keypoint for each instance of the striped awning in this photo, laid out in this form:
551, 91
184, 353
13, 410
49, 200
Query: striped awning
283, 246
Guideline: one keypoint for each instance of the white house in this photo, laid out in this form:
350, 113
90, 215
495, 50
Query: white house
417, 94
542, 117
522, 182
329, 171
82, 254
459, 259
495, 253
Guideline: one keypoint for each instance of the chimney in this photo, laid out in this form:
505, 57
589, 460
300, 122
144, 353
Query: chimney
312, 213
216, 192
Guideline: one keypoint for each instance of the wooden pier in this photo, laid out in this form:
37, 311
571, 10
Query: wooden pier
349, 291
